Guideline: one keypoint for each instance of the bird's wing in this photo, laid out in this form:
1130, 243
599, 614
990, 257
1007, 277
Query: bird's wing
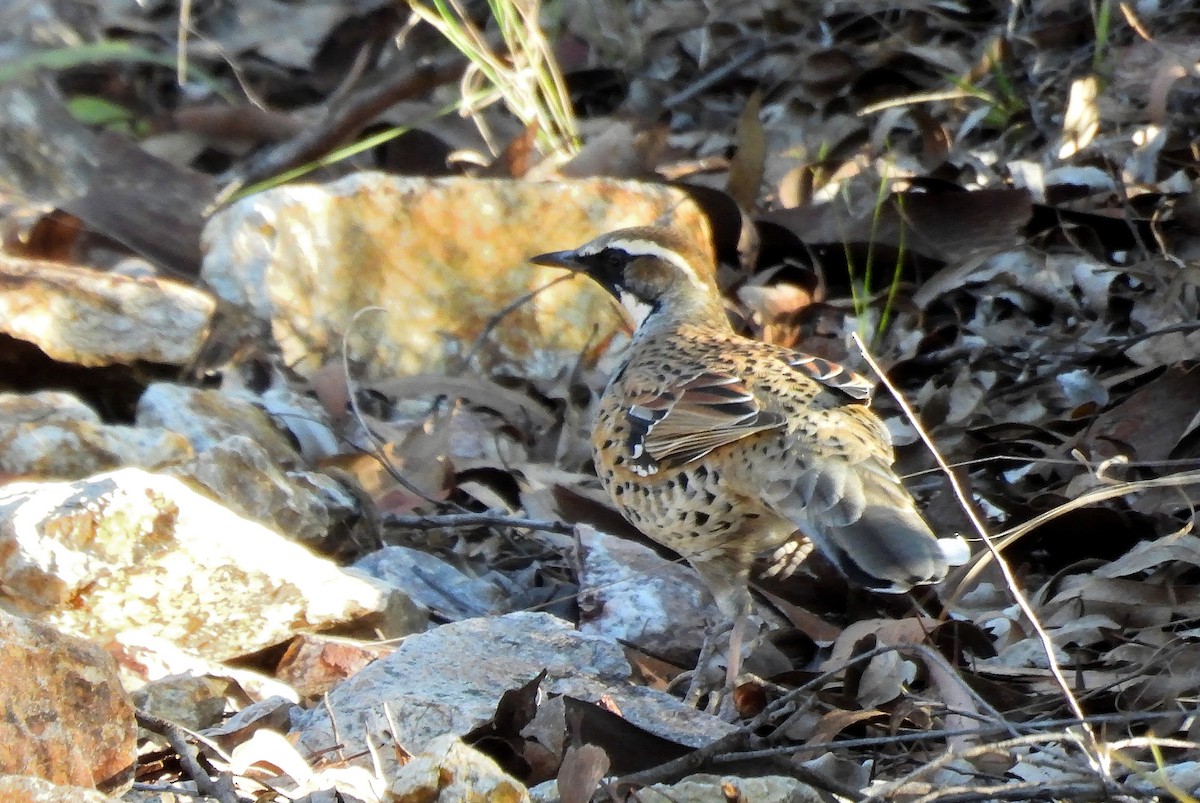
689, 419
832, 377
838, 454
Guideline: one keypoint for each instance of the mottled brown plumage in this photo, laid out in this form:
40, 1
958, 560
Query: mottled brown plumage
726, 449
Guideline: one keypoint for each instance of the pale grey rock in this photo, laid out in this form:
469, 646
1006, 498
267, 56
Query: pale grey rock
206, 417
448, 680
304, 506
193, 701
45, 406
56, 435
439, 586
628, 592
1183, 775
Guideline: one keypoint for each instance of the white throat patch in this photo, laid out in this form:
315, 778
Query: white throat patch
638, 310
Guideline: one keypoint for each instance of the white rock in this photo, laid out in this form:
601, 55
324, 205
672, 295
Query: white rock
55, 434
130, 550
89, 317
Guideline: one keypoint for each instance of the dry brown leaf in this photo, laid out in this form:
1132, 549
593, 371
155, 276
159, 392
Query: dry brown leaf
621, 150
808, 623
1173, 549
749, 160
420, 459
582, 769
837, 720
887, 632
1149, 424
1132, 602
513, 406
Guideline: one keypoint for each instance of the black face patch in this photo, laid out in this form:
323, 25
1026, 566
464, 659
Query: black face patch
607, 268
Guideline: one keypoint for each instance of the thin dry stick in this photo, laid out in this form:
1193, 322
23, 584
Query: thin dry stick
896, 788
735, 63
340, 746
451, 521
373, 748
380, 446
988, 731
734, 742
1018, 790
731, 746
1063, 461
1155, 741
495, 318
1094, 748
181, 34
1002, 540
177, 736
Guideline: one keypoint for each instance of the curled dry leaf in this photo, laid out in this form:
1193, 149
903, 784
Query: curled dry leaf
582, 769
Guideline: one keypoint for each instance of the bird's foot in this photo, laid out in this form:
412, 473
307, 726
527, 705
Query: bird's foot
726, 645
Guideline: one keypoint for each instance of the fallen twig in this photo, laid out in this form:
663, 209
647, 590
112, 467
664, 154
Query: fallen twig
728, 748
1004, 539
380, 450
1019, 790
916, 737
1097, 753
486, 519
342, 119
177, 737
716, 76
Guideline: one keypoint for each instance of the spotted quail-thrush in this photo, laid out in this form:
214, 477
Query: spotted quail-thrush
726, 449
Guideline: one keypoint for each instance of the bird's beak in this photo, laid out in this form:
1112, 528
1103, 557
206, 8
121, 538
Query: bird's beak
559, 259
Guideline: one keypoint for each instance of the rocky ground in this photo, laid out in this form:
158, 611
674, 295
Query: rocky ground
297, 496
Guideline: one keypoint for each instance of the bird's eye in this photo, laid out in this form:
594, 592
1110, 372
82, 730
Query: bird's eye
614, 260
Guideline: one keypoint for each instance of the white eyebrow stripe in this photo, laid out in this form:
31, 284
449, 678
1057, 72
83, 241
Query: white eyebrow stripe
650, 248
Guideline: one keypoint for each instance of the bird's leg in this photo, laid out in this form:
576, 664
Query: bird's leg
734, 603
737, 635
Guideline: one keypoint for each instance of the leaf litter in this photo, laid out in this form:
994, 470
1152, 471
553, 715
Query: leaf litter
1004, 205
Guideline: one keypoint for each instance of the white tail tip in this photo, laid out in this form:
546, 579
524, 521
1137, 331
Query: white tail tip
955, 550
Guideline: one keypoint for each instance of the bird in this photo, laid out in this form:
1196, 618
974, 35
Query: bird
733, 452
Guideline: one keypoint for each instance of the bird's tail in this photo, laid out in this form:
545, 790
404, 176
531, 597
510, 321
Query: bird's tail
889, 549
